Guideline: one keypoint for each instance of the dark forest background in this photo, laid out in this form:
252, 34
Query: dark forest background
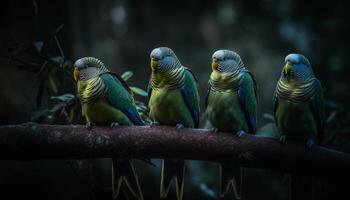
39, 41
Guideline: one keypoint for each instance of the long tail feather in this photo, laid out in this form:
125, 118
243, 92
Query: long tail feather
124, 174
172, 169
230, 176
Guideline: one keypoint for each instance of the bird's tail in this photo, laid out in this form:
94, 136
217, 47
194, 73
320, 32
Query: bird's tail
230, 176
172, 169
124, 176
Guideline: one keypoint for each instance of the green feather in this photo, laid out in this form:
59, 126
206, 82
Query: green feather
119, 97
191, 96
249, 86
167, 107
225, 112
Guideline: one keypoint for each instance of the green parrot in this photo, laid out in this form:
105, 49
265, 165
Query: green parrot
299, 102
231, 106
299, 112
107, 100
173, 100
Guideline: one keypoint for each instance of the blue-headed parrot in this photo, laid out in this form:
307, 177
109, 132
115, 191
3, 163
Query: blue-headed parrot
299, 112
107, 100
299, 102
173, 101
231, 106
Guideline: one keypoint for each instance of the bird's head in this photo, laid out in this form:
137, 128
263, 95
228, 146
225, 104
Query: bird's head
87, 68
163, 60
297, 67
226, 61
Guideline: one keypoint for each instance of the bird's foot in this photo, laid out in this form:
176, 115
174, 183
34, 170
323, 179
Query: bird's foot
179, 126
89, 125
214, 130
283, 139
240, 133
114, 124
309, 143
154, 124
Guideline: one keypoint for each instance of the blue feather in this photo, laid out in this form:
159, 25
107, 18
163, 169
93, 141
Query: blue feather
114, 82
186, 91
134, 117
250, 119
194, 113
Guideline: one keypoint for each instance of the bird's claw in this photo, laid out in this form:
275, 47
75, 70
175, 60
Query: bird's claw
283, 139
114, 124
240, 133
309, 143
179, 126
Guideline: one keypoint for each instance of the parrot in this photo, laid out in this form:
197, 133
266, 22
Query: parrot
231, 106
299, 112
107, 100
174, 101
298, 102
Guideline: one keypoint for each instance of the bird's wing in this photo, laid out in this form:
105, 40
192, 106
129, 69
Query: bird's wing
248, 99
190, 95
119, 96
318, 106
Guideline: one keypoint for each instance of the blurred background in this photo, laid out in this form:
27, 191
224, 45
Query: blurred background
39, 41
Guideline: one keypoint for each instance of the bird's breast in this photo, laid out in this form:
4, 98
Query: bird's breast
295, 119
225, 112
100, 112
167, 107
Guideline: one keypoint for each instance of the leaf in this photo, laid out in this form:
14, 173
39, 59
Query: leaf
139, 91
207, 190
39, 45
58, 29
39, 115
331, 117
57, 59
268, 130
64, 98
127, 75
269, 117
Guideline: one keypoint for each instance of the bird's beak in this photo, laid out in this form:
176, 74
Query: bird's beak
287, 69
76, 74
214, 64
154, 64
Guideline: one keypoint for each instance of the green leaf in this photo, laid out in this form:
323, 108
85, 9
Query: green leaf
127, 75
139, 91
64, 97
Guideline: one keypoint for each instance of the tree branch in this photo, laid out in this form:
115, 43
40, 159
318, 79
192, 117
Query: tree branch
34, 141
